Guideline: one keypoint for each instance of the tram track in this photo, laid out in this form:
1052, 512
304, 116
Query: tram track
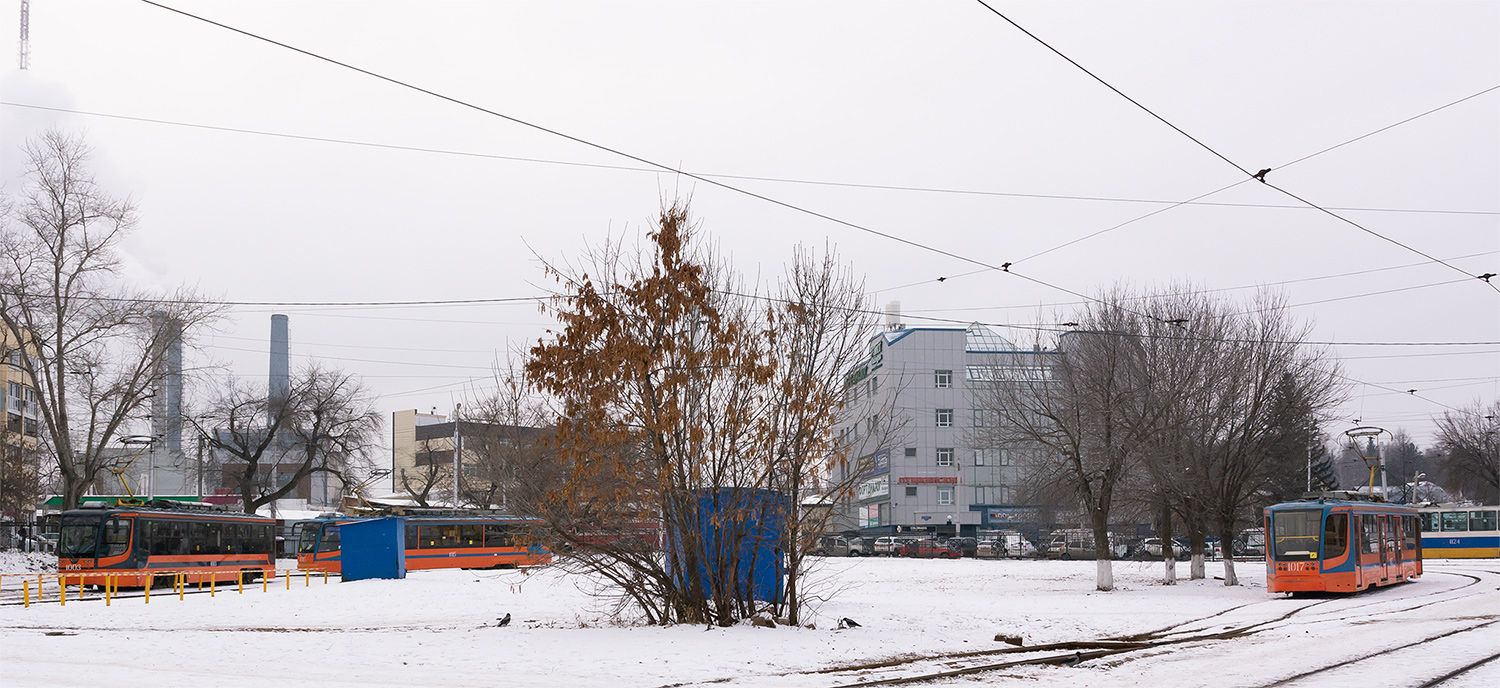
1386, 651
1074, 652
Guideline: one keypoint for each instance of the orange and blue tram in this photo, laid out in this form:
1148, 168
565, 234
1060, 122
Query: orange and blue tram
434, 542
134, 546
1340, 545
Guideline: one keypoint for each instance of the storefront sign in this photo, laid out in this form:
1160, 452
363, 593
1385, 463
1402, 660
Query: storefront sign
874, 489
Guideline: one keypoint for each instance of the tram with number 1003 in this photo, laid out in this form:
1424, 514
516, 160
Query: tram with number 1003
135, 546
434, 542
1340, 545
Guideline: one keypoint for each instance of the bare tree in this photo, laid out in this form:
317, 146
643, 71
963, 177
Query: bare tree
90, 345
1083, 410
1470, 441
820, 328
326, 425
1270, 368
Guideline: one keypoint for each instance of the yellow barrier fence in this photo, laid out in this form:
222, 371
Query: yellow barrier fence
107, 585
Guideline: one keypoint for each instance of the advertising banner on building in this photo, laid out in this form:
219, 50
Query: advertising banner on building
874, 489
873, 464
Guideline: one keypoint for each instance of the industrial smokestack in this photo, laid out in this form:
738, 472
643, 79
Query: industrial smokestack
166, 405
281, 375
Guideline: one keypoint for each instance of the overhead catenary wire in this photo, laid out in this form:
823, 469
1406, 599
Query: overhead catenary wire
778, 180
1210, 291
667, 168
639, 159
1259, 177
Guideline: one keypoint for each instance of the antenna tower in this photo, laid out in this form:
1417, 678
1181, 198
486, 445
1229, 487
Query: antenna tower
25, 34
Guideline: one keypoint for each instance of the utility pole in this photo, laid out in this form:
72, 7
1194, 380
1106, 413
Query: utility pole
457, 451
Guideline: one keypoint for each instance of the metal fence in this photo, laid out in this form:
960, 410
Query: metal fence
24, 537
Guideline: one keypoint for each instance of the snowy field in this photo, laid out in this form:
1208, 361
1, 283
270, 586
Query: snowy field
438, 628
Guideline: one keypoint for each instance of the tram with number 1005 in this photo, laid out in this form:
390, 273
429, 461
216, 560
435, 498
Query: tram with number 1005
1340, 545
434, 542
1461, 532
135, 546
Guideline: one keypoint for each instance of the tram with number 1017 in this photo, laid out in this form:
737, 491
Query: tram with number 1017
434, 542
1340, 545
135, 546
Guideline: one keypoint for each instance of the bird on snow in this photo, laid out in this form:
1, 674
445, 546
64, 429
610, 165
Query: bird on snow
505, 620
847, 623
1074, 660
1261, 175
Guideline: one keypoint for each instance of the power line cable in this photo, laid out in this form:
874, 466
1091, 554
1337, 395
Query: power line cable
1214, 290
597, 146
1257, 176
778, 180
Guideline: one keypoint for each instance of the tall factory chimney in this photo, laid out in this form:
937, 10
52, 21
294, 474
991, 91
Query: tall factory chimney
281, 374
166, 405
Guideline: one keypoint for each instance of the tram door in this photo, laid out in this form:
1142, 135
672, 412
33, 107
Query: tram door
1392, 546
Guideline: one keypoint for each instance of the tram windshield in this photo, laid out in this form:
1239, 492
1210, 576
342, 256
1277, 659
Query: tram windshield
1295, 533
79, 536
308, 542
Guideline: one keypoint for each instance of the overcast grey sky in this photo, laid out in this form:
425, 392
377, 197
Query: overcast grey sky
936, 94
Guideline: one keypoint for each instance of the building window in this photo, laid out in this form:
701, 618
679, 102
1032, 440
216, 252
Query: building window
945, 456
872, 425
943, 378
911, 452
979, 496
911, 490
874, 385
978, 418
945, 418
991, 457
945, 496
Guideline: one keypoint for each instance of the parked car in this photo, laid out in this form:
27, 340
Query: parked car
1251, 542
888, 546
839, 546
929, 549
965, 546
1078, 543
1151, 548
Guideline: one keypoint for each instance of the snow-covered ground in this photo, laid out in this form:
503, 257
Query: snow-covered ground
438, 628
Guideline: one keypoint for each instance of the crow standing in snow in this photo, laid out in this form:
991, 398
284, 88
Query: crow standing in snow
505, 620
847, 623
1074, 660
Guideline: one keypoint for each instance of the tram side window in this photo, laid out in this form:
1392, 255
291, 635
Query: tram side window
330, 540
1455, 521
1481, 520
1392, 533
413, 541
1411, 532
1429, 522
497, 535
1369, 535
449, 537
471, 535
1335, 535
117, 536
236, 538
431, 537
168, 538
